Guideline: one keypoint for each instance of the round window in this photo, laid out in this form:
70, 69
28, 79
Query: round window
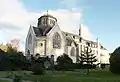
41, 44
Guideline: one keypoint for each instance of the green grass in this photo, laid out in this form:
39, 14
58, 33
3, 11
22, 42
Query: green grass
4, 80
69, 76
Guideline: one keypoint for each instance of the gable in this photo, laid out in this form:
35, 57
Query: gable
30, 32
40, 31
37, 31
55, 29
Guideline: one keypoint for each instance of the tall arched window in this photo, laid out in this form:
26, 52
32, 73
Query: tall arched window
28, 52
72, 53
56, 41
45, 21
30, 39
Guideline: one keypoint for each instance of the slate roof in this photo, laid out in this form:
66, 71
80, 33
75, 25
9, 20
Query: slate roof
69, 37
41, 32
37, 31
47, 15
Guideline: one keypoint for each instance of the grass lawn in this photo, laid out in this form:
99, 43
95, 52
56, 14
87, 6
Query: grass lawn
69, 76
4, 80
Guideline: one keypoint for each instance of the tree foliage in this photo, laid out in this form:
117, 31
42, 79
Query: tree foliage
115, 61
5, 63
64, 62
12, 59
15, 43
3, 47
87, 59
18, 61
38, 69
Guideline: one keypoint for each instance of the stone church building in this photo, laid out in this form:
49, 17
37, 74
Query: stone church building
48, 39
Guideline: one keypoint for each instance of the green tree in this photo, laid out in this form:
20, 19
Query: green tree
5, 63
87, 59
38, 69
64, 62
18, 61
115, 61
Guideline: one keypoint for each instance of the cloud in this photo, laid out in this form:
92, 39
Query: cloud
73, 5
85, 32
67, 20
15, 20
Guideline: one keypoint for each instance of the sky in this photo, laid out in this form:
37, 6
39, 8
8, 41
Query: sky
100, 18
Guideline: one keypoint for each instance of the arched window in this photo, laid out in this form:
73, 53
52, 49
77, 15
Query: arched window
28, 52
72, 53
30, 39
45, 21
56, 41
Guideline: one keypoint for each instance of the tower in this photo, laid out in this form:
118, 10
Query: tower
98, 51
80, 30
46, 20
46, 23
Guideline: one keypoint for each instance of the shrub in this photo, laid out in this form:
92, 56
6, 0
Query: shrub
64, 62
115, 61
102, 66
38, 69
5, 63
17, 78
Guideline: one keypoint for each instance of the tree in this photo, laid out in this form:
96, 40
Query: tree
10, 49
5, 63
14, 43
87, 57
115, 61
45, 61
37, 64
38, 69
64, 62
3, 47
13, 57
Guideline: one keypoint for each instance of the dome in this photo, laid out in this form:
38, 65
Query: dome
47, 15
46, 20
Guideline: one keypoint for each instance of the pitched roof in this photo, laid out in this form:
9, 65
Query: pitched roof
37, 31
70, 34
69, 37
41, 32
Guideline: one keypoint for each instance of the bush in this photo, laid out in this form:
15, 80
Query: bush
5, 63
17, 78
102, 66
83, 66
38, 69
64, 62
115, 61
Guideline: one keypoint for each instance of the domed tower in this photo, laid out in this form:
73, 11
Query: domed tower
46, 21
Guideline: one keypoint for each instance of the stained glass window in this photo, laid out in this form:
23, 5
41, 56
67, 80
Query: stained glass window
72, 52
30, 39
56, 41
